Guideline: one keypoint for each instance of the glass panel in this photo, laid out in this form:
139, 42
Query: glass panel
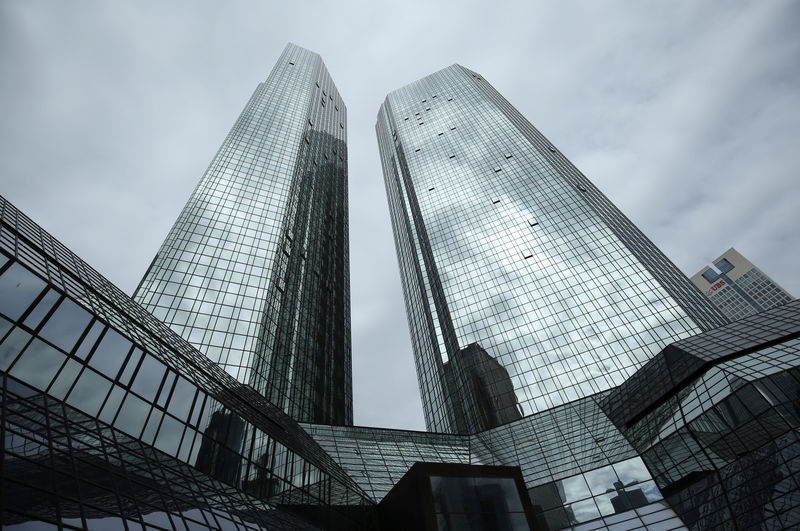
89, 340
165, 390
18, 289
545, 497
130, 367
148, 379
65, 379
89, 392
632, 471
38, 365
11, 346
112, 404
38, 313
133, 415
574, 489
583, 511
182, 397
110, 353
152, 426
601, 480
5, 326
169, 436
66, 325
498, 493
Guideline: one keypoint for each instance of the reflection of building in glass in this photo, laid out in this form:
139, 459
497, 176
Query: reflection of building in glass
255, 272
504, 243
482, 390
739, 288
109, 415
112, 420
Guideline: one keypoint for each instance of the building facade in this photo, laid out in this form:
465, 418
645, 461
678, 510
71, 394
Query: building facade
505, 245
255, 271
737, 287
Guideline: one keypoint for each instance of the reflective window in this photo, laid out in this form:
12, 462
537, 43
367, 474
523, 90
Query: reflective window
11, 346
66, 325
110, 353
18, 289
42, 307
180, 404
89, 392
148, 379
65, 379
38, 365
133, 415
89, 340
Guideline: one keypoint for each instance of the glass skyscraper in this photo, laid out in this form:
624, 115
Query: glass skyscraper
111, 420
525, 287
255, 271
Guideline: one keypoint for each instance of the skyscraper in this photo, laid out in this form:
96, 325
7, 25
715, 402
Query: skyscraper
255, 271
503, 244
737, 287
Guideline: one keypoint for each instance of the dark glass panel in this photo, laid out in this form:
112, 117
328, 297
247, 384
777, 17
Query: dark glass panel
66, 325
65, 379
89, 392
38, 365
130, 367
18, 289
45, 304
148, 378
110, 353
90, 339
169, 436
180, 404
132, 415
5, 326
12, 346
112, 404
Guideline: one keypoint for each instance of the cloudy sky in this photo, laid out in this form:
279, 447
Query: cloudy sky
686, 114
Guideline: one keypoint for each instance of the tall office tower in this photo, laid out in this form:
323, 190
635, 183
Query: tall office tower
507, 252
739, 288
255, 272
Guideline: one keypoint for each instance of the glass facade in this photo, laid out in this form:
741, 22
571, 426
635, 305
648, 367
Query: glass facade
715, 420
255, 271
509, 254
577, 407
110, 419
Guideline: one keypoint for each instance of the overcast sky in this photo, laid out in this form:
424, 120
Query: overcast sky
686, 114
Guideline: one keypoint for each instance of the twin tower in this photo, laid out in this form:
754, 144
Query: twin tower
525, 287
571, 376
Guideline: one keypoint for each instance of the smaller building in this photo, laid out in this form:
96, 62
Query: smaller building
739, 288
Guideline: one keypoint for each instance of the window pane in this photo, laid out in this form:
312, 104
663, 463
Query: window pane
149, 377
89, 392
133, 415
65, 379
182, 397
42, 308
38, 365
66, 325
11, 346
90, 339
110, 353
18, 289
169, 436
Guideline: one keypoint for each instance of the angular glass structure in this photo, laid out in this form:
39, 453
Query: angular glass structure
255, 272
506, 249
110, 419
